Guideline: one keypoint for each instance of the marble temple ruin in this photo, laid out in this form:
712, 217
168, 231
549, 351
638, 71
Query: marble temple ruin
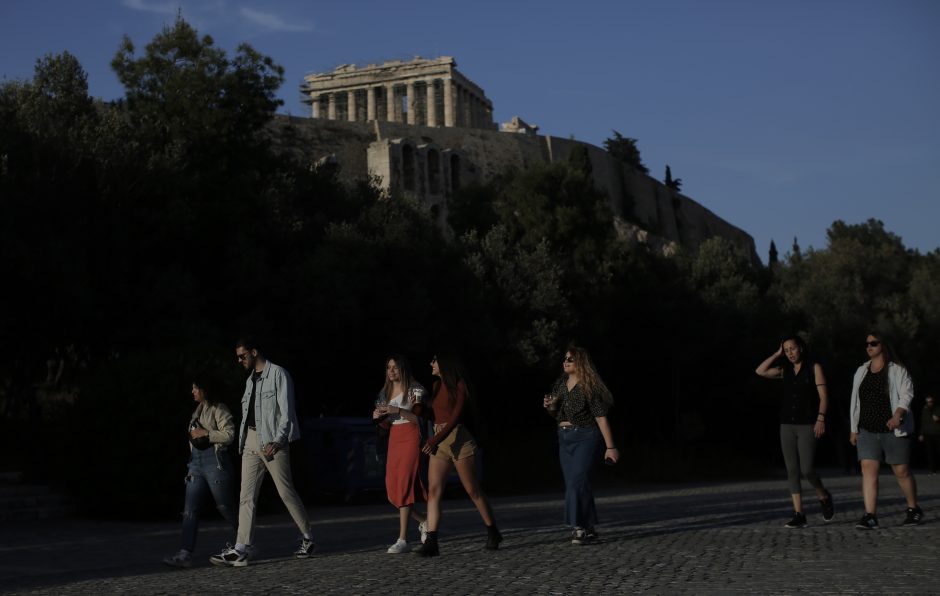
428, 92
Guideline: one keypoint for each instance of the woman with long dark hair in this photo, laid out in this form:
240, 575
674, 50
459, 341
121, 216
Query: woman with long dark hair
211, 468
396, 406
453, 446
883, 427
579, 402
802, 420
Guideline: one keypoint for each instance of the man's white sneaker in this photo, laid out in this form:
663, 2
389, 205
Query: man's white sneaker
181, 559
306, 549
230, 557
399, 547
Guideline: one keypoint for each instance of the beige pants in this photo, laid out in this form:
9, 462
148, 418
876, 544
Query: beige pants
254, 466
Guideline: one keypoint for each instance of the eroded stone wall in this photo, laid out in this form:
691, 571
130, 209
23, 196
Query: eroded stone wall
637, 197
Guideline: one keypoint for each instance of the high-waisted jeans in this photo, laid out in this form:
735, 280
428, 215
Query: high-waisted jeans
208, 474
578, 453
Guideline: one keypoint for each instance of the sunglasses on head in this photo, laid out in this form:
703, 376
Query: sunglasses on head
873, 344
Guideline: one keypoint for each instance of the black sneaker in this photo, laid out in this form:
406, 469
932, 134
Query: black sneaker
230, 557
307, 548
798, 521
869, 521
590, 536
913, 517
493, 538
429, 548
577, 536
828, 511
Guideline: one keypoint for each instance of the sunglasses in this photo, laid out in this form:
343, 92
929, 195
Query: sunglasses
243, 357
872, 344
569, 359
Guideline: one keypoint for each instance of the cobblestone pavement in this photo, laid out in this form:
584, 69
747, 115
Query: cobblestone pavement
708, 538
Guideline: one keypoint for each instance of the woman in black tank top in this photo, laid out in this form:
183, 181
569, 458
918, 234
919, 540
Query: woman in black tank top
802, 420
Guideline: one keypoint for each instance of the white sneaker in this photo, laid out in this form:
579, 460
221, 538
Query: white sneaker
399, 547
181, 559
578, 536
230, 557
423, 528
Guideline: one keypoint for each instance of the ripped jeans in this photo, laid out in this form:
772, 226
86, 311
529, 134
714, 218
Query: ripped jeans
213, 473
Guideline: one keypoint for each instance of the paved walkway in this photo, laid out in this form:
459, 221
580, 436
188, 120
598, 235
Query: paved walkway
709, 538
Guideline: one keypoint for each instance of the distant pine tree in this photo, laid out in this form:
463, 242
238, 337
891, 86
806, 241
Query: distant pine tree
772, 257
675, 184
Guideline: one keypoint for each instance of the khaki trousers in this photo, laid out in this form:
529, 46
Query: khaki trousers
254, 466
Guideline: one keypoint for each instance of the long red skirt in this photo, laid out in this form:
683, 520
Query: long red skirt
402, 480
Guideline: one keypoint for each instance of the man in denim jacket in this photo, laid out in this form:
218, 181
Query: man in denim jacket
268, 426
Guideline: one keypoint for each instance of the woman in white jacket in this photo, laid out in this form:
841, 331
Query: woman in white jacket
882, 427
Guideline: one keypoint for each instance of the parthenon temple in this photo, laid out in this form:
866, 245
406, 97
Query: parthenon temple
428, 92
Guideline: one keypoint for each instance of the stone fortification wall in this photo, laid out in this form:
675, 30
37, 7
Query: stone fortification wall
635, 196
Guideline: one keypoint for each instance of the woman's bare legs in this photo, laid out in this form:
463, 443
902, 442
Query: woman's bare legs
437, 473
466, 469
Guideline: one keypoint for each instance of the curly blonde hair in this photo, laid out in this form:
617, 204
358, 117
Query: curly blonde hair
592, 383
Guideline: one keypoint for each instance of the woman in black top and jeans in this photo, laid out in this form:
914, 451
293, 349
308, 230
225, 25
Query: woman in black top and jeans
580, 401
802, 421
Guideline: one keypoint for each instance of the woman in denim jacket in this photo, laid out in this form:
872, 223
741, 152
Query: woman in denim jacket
211, 469
882, 427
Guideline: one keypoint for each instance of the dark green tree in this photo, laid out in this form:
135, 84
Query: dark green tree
192, 104
670, 182
625, 150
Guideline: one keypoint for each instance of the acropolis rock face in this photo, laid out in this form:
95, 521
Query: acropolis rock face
423, 128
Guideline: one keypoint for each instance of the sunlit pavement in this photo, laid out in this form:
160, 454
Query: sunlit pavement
709, 538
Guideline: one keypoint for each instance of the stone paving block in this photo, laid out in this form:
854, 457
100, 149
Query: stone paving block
688, 539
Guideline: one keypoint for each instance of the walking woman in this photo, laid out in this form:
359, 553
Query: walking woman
580, 402
802, 421
211, 468
883, 427
452, 446
395, 407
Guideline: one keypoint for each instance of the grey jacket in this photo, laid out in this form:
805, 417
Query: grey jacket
275, 414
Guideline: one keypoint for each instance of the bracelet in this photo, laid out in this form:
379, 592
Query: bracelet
609, 448
823, 414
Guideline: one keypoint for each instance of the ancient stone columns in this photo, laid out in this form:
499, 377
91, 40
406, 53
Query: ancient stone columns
410, 90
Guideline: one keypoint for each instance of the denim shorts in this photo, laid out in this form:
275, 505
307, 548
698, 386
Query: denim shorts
884, 447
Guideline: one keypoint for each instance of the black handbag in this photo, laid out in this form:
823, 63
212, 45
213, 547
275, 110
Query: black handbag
202, 443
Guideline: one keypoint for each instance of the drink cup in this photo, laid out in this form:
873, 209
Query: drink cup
381, 404
552, 402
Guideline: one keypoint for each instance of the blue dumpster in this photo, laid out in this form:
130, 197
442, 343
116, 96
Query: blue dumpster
343, 456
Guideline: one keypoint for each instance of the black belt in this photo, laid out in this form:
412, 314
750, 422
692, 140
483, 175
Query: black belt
252, 428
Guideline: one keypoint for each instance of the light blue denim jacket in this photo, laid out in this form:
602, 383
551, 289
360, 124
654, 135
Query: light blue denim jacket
900, 393
275, 414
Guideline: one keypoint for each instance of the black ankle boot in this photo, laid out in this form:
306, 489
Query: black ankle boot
429, 548
493, 537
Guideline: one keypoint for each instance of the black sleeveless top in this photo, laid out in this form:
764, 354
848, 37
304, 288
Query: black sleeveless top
874, 403
800, 404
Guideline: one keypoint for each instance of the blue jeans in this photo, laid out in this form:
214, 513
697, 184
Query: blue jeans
577, 451
208, 474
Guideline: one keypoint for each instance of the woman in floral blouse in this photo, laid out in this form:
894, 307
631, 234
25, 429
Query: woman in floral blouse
579, 402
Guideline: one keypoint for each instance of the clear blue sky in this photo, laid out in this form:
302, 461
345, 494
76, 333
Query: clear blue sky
778, 116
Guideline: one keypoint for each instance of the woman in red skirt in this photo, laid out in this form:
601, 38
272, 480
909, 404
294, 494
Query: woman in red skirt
395, 408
